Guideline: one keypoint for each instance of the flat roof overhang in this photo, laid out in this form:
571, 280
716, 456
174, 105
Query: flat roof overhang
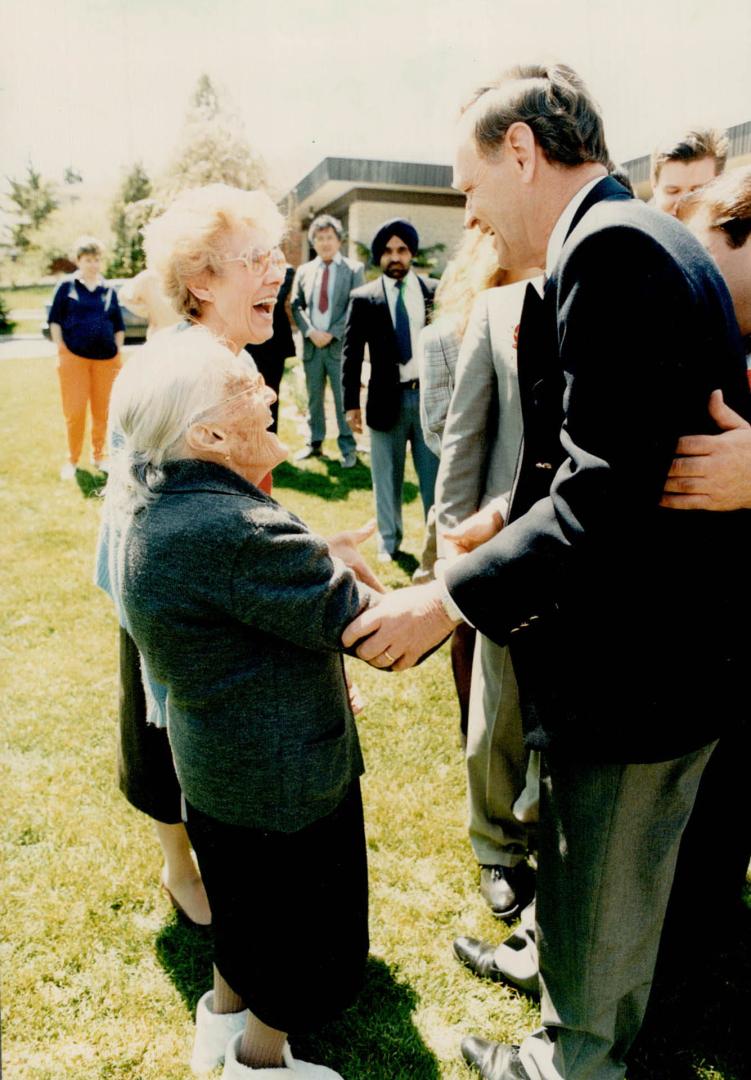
333, 178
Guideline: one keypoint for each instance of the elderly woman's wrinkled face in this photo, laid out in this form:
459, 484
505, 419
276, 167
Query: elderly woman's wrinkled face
245, 416
243, 294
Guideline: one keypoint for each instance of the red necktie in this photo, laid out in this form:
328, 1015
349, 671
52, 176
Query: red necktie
323, 299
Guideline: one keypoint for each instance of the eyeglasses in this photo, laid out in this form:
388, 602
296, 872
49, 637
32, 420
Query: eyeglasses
259, 259
257, 386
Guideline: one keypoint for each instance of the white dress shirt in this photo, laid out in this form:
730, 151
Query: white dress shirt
322, 319
415, 305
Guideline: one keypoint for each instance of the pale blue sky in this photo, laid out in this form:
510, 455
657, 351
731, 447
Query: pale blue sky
101, 83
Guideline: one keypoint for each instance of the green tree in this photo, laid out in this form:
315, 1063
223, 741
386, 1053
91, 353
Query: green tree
131, 210
33, 200
212, 147
7, 326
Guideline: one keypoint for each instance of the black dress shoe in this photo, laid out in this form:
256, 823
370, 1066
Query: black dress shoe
479, 957
507, 889
494, 1061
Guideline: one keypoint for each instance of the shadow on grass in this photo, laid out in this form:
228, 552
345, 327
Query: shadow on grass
91, 485
333, 485
374, 1038
185, 951
697, 1021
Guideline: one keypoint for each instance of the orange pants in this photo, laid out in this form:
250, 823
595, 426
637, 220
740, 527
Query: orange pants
83, 381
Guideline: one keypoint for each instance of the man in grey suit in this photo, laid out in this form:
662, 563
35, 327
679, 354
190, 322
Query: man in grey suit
481, 443
320, 297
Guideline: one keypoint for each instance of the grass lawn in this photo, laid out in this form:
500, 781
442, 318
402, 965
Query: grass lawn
99, 976
26, 326
27, 296
24, 298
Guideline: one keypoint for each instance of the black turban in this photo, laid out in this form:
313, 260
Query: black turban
400, 227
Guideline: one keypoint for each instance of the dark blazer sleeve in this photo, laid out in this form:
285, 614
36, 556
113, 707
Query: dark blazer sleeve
353, 350
298, 302
635, 338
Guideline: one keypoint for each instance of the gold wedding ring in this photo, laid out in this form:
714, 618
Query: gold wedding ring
389, 657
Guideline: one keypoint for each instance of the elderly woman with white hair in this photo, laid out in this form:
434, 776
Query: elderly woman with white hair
239, 609
214, 254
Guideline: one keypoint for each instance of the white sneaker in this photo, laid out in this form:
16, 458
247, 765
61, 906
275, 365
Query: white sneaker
68, 471
296, 1070
103, 464
213, 1032
385, 557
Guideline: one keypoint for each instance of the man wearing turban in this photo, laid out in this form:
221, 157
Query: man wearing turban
388, 314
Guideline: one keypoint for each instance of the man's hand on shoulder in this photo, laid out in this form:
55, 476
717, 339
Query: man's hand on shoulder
712, 472
404, 626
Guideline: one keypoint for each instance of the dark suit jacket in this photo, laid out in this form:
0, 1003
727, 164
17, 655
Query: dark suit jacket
280, 345
270, 355
369, 322
349, 274
627, 623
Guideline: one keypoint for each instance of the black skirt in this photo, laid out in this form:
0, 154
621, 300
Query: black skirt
145, 769
289, 912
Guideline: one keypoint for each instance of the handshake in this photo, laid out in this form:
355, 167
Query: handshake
406, 624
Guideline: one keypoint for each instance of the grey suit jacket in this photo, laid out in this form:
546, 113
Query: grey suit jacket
483, 430
438, 353
239, 610
349, 274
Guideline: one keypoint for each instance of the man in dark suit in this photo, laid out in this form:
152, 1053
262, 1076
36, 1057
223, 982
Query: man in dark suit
270, 355
593, 585
320, 297
387, 315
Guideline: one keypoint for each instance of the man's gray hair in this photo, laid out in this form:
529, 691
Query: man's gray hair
553, 101
325, 221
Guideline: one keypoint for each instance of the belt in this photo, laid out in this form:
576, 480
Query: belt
410, 384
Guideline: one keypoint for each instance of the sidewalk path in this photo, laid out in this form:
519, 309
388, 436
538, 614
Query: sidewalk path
34, 346
25, 347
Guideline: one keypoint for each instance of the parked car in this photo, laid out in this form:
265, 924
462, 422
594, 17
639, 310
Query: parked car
135, 325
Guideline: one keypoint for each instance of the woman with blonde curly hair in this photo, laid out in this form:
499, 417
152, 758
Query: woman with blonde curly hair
214, 255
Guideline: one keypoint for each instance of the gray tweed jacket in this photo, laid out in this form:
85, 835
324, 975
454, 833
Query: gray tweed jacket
239, 610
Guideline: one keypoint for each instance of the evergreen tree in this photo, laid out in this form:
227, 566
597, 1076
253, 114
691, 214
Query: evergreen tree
7, 326
34, 200
130, 212
212, 147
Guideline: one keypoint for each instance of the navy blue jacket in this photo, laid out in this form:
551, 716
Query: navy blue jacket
628, 623
89, 318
